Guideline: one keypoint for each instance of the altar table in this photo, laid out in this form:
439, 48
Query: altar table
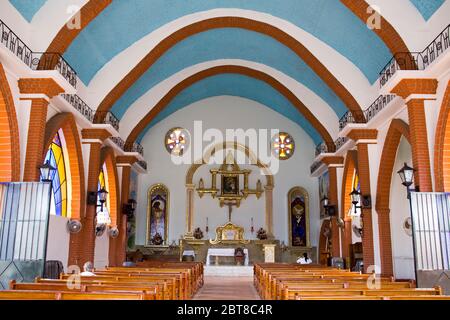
223, 252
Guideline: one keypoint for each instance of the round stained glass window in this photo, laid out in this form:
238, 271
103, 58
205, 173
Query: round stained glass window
283, 146
177, 141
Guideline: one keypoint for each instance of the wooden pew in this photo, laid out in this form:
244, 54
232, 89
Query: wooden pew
63, 295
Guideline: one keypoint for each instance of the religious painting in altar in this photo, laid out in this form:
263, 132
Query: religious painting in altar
324, 187
298, 210
230, 185
157, 215
131, 221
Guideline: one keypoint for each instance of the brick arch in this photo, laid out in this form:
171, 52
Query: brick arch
256, 74
350, 166
230, 22
397, 129
66, 35
108, 158
387, 32
9, 140
66, 122
442, 146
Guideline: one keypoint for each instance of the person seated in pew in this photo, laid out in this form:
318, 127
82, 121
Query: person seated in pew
88, 268
304, 260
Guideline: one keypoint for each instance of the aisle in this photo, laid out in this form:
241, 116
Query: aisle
227, 288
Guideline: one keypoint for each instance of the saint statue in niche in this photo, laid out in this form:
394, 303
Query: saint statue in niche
298, 220
157, 217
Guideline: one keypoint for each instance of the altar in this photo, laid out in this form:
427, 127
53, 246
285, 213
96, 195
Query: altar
224, 252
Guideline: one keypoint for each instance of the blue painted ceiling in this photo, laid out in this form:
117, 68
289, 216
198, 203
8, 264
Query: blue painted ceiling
240, 86
233, 44
427, 7
28, 8
124, 22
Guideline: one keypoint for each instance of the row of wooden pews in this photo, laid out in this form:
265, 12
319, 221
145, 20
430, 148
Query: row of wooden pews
315, 282
147, 281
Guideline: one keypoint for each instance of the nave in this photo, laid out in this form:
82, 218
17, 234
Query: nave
148, 145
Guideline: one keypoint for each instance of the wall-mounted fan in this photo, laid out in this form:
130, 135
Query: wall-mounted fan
74, 226
407, 226
357, 231
100, 230
113, 232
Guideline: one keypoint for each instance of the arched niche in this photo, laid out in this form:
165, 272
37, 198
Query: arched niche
298, 217
253, 160
158, 204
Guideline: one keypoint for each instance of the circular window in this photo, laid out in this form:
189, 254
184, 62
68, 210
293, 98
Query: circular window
283, 146
177, 141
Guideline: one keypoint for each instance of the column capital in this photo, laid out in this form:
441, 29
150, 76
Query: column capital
126, 160
367, 136
333, 161
39, 87
95, 135
422, 89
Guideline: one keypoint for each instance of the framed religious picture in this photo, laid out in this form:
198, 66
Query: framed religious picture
324, 186
230, 185
298, 211
157, 215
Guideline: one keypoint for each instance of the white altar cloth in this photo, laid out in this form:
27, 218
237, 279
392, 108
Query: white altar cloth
223, 252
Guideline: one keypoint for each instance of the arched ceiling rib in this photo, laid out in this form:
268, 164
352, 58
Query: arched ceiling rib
319, 108
228, 44
177, 93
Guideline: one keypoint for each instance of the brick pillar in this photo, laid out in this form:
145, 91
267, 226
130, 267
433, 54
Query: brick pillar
384, 227
121, 242
333, 163
415, 92
39, 91
363, 137
82, 245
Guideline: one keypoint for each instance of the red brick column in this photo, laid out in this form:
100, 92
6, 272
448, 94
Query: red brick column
363, 137
82, 245
384, 230
333, 163
37, 121
415, 92
121, 242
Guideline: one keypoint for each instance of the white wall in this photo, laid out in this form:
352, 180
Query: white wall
402, 249
234, 113
58, 240
101, 254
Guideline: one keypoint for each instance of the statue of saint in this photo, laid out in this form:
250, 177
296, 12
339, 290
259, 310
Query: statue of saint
298, 222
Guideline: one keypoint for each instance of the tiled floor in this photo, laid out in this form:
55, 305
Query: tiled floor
227, 288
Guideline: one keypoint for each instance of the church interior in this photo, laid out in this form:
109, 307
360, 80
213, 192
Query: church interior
224, 149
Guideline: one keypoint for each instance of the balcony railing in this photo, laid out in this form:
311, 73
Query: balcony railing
378, 105
36, 60
142, 164
80, 105
321, 148
119, 142
107, 117
416, 60
340, 142
315, 166
138, 148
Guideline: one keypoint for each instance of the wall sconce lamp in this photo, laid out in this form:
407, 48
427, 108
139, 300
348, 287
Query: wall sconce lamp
129, 208
101, 194
47, 172
330, 210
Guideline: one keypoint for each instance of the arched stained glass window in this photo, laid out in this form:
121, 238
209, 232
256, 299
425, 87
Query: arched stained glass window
55, 156
103, 216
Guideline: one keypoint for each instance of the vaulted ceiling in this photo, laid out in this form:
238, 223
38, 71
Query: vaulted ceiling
311, 61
